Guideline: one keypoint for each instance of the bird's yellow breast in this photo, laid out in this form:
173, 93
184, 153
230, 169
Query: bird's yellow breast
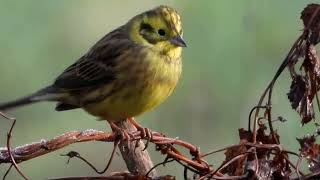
142, 84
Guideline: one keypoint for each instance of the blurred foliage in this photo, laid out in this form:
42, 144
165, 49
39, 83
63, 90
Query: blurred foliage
234, 48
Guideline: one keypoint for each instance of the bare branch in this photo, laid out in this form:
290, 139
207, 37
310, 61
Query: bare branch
36, 149
118, 176
164, 144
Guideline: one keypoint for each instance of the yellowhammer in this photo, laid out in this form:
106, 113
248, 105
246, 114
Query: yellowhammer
129, 71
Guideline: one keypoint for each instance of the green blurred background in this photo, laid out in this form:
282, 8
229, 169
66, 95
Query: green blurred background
234, 48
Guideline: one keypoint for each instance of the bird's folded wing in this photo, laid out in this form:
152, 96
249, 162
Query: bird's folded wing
97, 67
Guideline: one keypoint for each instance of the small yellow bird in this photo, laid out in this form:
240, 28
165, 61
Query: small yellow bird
129, 71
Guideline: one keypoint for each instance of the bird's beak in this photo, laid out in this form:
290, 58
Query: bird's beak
178, 41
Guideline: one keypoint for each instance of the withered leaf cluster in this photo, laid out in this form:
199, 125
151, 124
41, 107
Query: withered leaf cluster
259, 151
310, 150
272, 164
311, 19
306, 83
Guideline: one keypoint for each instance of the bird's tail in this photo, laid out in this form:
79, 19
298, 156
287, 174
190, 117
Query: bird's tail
46, 94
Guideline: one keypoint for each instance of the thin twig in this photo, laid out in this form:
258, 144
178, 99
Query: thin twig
7, 172
9, 135
73, 154
230, 177
161, 163
224, 165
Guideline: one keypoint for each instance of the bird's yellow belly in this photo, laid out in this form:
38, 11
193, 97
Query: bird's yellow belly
130, 102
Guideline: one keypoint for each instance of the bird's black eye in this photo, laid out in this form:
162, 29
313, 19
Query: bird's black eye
161, 32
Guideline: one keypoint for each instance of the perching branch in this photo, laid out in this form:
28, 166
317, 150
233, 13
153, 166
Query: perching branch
33, 150
164, 144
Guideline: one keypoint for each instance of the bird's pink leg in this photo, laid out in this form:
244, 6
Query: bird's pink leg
144, 132
121, 132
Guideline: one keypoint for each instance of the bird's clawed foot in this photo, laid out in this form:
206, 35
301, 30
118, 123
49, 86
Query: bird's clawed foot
145, 133
124, 135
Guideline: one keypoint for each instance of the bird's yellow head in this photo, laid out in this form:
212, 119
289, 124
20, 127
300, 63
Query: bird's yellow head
159, 28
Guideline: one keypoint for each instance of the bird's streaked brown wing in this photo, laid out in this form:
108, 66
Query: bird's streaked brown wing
97, 66
85, 73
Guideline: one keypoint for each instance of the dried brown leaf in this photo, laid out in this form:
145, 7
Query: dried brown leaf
266, 138
297, 91
308, 146
300, 98
305, 109
310, 150
280, 163
311, 17
245, 135
237, 167
314, 62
